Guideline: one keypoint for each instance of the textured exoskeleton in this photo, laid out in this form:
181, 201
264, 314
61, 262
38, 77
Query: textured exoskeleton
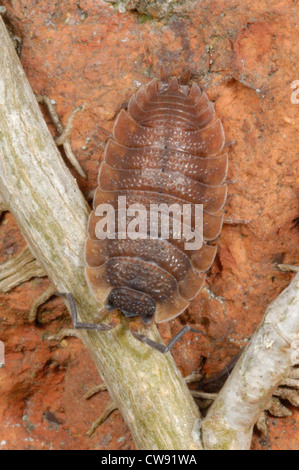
167, 147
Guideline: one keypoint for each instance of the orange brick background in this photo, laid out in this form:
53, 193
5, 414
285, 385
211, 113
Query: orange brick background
246, 54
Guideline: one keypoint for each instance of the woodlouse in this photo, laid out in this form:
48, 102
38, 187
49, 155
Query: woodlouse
166, 148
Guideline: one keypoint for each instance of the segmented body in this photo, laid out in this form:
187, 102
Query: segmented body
167, 147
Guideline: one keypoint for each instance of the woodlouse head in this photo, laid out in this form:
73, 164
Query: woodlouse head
132, 303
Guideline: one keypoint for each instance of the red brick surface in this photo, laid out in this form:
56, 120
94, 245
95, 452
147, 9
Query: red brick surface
85, 51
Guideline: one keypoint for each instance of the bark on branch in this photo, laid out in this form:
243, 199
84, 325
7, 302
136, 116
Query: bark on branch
267, 360
38, 189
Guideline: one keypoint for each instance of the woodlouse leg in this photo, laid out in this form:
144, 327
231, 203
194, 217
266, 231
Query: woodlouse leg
82, 325
161, 347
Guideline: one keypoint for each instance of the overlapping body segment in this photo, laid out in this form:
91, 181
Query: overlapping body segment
166, 150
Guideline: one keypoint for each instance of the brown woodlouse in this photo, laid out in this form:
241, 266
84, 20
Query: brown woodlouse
166, 148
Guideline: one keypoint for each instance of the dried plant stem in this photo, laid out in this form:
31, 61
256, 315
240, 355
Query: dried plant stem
288, 267
65, 333
94, 390
195, 377
203, 395
265, 362
107, 411
63, 138
46, 295
19, 269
